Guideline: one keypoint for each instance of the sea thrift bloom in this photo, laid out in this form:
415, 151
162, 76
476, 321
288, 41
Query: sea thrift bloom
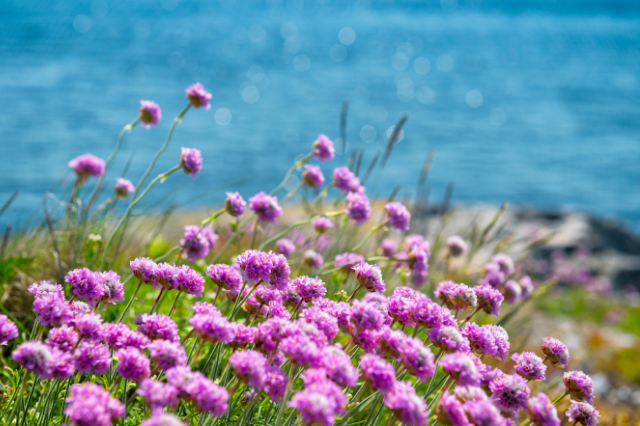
157, 326
313, 259
206, 308
488, 375
542, 412
113, 288
583, 413
338, 366
370, 277
456, 296
481, 339
275, 383
408, 407
366, 316
319, 403
302, 351
312, 176
265, 207
388, 247
393, 343
164, 275
52, 309
45, 287
323, 148
33, 356
579, 386
198, 242
326, 323
450, 412
256, 266
150, 113
188, 281
345, 180
489, 299
198, 96
212, 328
501, 340
448, 339
309, 288
529, 365
243, 335
556, 352
123, 187
63, 338
191, 161
250, 367
483, 413
322, 224
132, 364
461, 368
418, 359
158, 395
144, 269
378, 373
527, 287
61, 365
493, 279
207, 395
225, 276
417, 258
166, 354
85, 284
235, 204
512, 291
279, 271
90, 404
348, 260
429, 314
456, 246
505, 263
87, 165
119, 336
398, 216
285, 247
89, 326
358, 207
92, 356
399, 305
510, 393
77, 308
163, 419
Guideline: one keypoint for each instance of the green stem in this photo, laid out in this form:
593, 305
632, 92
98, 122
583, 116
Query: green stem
155, 304
126, 309
255, 232
297, 164
369, 234
285, 232
560, 398
173, 307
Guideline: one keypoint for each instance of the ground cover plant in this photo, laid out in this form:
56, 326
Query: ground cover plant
342, 317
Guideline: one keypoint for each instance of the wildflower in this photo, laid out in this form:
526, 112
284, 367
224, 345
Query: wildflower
461, 368
505, 263
347, 260
370, 277
45, 287
345, 180
469, 393
158, 395
242, 335
113, 288
144, 269
489, 299
225, 276
85, 284
323, 148
256, 265
163, 419
63, 338
527, 287
529, 365
119, 336
393, 343
132, 364
512, 291
510, 393
89, 326
33, 356
338, 366
285, 247
417, 258
483, 413
501, 340
61, 365
456, 246
358, 207
481, 339
191, 161
379, 374
280, 271
493, 279
450, 412
90, 404
92, 356
398, 216
583, 413
212, 328
234, 204
488, 375
326, 323
302, 351
166, 354
198, 242
157, 326
87, 165
312, 176
366, 316
449, 339
188, 281
418, 359
123, 187
319, 403
542, 412
249, 367
198, 96
429, 314
388, 247
459, 296
309, 288
265, 207
322, 224
579, 386
52, 309
150, 113
556, 352
408, 407
77, 308
275, 383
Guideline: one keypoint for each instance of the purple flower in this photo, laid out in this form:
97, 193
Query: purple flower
399, 305
556, 352
370, 277
456, 296
250, 367
61, 365
164, 275
63, 338
429, 314
342, 312
417, 258
358, 207
527, 287
488, 375
52, 309
338, 366
87, 165
461, 368
157, 326
505, 263
393, 343
378, 373
323, 148
309, 288
212, 328
198, 96
225, 276
493, 279
265, 207
256, 266
33, 356
119, 336
123, 187
166, 354
398, 216
313, 259
207, 395
512, 291
279, 271
456, 246
322, 224
579, 386
302, 351
132, 364
188, 281
275, 383
450, 412
470, 393
113, 288
388, 247
418, 359
529, 365
510, 393
144, 269
77, 308
150, 113
408, 407
45, 287
319, 403
481, 339
285, 247
191, 161
243, 335
235, 204
365, 316
92, 356
312, 176
198, 242
489, 299
323, 320
501, 340
85, 284
483, 413
449, 339
583, 413
90, 404
542, 412
163, 419
158, 395
348, 260
345, 180
89, 326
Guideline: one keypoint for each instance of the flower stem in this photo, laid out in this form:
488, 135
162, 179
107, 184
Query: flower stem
560, 398
175, 301
369, 234
155, 304
295, 165
354, 293
126, 309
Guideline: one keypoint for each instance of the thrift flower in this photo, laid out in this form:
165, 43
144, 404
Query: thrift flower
157, 326
312, 176
191, 161
345, 180
166, 354
90, 404
158, 395
323, 148
461, 368
583, 413
285, 247
198, 242
63, 338
132, 364
225, 276
85, 284
542, 412
408, 407
388, 247
398, 216
556, 352
358, 207
198, 96
250, 367
265, 207
456, 246
450, 412
150, 113
379, 374
87, 165
188, 281
529, 365
92, 356
309, 288
579, 386
510, 393
322, 224
123, 187
235, 204
370, 277
144, 269
33, 356
489, 299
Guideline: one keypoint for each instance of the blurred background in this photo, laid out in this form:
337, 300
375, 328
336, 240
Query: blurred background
533, 102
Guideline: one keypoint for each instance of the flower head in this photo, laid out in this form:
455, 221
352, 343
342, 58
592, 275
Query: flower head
529, 365
358, 207
144, 269
150, 113
348, 260
33, 356
449, 339
388, 247
157, 326
198, 242
265, 207
319, 403
510, 393
225, 276
275, 383
63, 338
542, 412
123, 187
235, 204
158, 395
483, 413
429, 314
398, 216
191, 161
250, 367
198, 96
87, 165
489, 299
450, 412
166, 354
481, 339
132, 364
370, 277
45, 287
408, 407
579, 386
583, 413
212, 328
527, 287
322, 224
162, 419
323, 148
505, 263
400, 305
379, 374
338, 366
309, 288
91, 356
280, 271
345, 180
462, 368
85, 284
418, 359
119, 336
89, 326
256, 266
312, 176
52, 309
188, 281
512, 291
456, 246
556, 351
285, 247
90, 404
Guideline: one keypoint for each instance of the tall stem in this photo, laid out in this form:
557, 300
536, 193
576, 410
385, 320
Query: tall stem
290, 172
369, 234
173, 307
155, 304
126, 309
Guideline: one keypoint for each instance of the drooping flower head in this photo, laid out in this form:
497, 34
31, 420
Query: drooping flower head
370, 277
198, 96
398, 216
461, 368
85, 284
510, 393
92, 356
323, 148
90, 404
87, 165
285, 247
408, 407
309, 288
144, 269
312, 176
235, 204
132, 364
542, 412
450, 412
191, 161
379, 374
150, 113
157, 326
265, 207
225, 276
529, 365
33, 356
358, 207
166, 354
250, 367
579, 386
123, 187
256, 266
322, 224
345, 180
556, 351
489, 299
583, 413
456, 246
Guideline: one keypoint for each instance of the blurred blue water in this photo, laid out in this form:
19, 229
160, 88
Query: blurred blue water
531, 102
